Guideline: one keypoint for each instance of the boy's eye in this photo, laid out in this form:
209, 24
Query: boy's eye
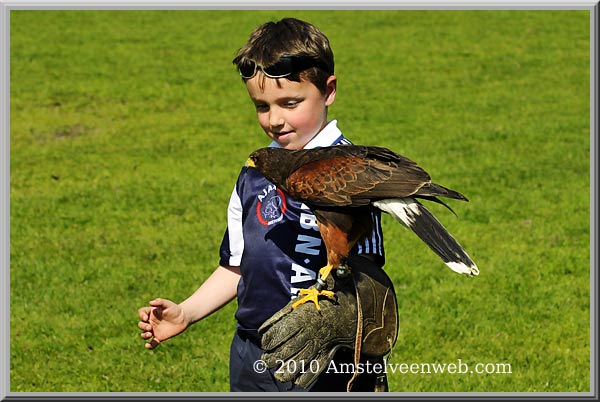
291, 103
261, 107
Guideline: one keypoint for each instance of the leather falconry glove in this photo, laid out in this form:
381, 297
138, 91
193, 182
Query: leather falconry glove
362, 316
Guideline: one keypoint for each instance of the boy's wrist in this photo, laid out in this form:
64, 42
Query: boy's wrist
187, 317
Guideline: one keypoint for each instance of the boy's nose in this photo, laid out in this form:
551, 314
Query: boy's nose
276, 120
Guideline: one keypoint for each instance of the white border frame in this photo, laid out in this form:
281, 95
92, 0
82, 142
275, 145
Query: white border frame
7, 6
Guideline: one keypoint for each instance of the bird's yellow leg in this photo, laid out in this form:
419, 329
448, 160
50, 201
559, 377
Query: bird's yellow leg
313, 293
325, 271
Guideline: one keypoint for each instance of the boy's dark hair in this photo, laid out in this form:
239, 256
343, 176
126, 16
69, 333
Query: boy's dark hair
290, 37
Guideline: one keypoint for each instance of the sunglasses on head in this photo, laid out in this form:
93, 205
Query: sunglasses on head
286, 66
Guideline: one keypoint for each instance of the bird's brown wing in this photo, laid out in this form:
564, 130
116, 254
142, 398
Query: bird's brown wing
354, 181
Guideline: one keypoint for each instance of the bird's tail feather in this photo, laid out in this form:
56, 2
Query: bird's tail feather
415, 216
436, 190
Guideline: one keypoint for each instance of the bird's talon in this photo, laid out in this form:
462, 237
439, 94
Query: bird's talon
313, 294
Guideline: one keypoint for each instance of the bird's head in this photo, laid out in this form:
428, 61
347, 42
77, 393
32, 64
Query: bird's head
251, 162
257, 158
268, 161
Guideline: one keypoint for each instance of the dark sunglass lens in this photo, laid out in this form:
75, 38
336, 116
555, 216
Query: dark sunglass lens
247, 68
282, 68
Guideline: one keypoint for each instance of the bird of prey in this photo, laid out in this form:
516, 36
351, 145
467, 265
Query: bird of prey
342, 184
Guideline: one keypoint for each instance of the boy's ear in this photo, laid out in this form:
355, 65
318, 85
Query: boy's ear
330, 90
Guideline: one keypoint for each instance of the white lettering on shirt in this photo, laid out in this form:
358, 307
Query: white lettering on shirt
266, 191
302, 274
307, 246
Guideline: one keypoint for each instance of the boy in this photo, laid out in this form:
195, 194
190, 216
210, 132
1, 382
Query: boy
272, 247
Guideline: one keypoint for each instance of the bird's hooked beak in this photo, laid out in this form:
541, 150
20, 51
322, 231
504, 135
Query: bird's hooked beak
250, 163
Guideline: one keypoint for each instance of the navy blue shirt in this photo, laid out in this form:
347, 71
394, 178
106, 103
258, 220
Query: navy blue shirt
275, 241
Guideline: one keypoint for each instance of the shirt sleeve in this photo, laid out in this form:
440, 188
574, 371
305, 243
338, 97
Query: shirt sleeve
232, 246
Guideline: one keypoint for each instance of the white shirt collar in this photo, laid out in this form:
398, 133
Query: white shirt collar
326, 137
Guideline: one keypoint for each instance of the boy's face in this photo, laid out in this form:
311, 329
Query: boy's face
291, 113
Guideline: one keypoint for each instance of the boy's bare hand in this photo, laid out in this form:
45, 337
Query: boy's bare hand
162, 320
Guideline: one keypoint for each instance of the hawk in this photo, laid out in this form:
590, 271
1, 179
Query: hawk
342, 185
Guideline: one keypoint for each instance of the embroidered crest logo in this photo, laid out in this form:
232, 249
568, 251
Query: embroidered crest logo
271, 206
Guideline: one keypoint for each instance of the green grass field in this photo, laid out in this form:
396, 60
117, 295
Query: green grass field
128, 130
